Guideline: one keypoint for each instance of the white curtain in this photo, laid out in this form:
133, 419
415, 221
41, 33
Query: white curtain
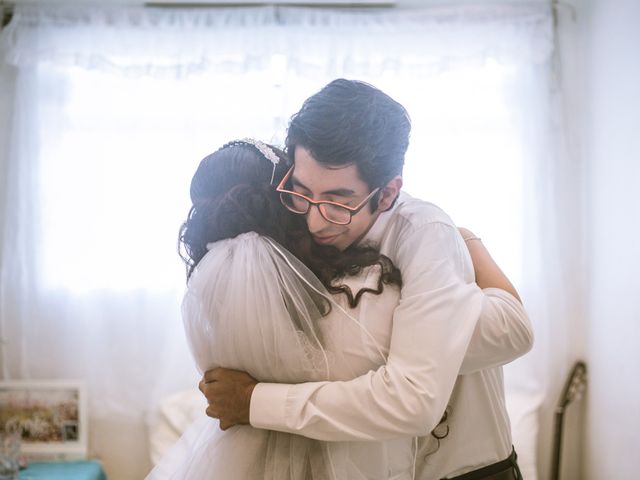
114, 107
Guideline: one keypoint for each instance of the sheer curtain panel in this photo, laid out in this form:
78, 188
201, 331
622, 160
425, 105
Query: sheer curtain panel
112, 108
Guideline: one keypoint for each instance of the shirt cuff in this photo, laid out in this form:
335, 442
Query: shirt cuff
268, 405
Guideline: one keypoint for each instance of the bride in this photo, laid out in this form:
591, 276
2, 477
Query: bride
252, 304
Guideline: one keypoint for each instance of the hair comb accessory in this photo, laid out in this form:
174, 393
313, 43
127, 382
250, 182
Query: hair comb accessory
266, 151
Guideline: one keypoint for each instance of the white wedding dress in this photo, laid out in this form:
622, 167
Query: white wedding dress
251, 305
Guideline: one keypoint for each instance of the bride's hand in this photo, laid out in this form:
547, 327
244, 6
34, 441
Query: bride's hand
228, 393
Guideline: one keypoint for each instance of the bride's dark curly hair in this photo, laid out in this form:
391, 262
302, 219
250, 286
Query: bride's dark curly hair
232, 194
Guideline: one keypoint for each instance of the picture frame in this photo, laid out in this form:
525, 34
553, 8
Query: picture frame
52, 416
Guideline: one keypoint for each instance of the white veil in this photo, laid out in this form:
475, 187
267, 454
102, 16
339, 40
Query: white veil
252, 306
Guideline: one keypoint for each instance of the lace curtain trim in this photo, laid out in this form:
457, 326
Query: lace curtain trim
138, 40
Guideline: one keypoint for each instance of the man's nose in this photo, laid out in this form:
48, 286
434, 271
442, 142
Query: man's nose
315, 221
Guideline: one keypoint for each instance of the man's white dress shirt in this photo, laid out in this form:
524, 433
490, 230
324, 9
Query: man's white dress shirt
443, 325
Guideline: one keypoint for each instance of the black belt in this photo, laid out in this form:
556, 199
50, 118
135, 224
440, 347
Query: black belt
506, 469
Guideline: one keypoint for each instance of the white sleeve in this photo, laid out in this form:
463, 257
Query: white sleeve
503, 333
432, 327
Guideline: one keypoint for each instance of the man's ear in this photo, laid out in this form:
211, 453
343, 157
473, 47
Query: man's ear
389, 193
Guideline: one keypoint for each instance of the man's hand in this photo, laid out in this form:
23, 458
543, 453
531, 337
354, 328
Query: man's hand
228, 393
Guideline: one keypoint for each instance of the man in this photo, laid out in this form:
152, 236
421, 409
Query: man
348, 144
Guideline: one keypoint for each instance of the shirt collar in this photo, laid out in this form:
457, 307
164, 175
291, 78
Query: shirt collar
376, 232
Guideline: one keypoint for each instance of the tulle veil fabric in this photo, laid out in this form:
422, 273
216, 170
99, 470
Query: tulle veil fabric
251, 305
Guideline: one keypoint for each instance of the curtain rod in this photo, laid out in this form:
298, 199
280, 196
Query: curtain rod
6, 8
196, 4
556, 5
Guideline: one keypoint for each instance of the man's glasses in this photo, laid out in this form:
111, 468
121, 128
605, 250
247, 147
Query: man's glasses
331, 211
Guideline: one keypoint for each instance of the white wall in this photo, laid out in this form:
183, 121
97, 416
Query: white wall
612, 151
600, 76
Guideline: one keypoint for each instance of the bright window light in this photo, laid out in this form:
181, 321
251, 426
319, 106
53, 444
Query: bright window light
116, 169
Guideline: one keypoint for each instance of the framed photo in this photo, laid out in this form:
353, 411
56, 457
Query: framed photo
51, 415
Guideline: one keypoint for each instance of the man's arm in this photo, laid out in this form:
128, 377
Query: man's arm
502, 334
432, 327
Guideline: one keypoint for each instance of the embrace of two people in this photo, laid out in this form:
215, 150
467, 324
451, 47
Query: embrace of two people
344, 329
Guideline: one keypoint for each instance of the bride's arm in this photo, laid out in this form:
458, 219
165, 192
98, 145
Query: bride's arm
503, 331
488, 273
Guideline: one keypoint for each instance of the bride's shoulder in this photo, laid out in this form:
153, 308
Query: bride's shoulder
242, 247
235, 255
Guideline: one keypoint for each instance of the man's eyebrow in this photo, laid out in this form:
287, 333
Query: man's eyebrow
340, 192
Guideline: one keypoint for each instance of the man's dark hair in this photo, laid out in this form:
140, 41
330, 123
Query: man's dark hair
352, 122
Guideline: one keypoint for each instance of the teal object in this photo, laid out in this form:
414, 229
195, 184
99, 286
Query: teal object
84, 470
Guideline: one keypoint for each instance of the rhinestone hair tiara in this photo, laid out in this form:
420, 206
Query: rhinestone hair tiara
266, 151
